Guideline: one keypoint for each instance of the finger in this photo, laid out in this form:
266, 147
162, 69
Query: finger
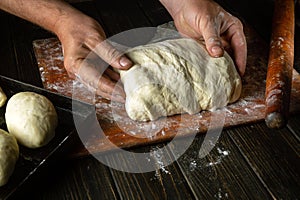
72, 57
112, 74
116, 98
112, 56
212, 40
87, 74
226, 46
106, 85
95, 81
238, 45
112, 98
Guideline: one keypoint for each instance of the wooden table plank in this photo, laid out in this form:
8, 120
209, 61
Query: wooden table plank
223, 173
258, 13
88, 7
26, 69
155, 12
6, 51
294, 122
118, 16
271, 157
294, 126
84, 178
164, 183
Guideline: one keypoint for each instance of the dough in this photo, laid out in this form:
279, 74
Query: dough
177, 76
9, 154
3, 97
31, 118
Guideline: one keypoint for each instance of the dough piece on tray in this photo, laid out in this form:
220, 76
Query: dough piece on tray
3, 98
9, 154
31, 118
177, 76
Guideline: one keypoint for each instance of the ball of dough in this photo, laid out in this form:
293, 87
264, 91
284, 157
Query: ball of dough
31, 118
3, 97
9, 154
177, 76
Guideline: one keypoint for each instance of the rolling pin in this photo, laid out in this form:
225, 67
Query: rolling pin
280, 64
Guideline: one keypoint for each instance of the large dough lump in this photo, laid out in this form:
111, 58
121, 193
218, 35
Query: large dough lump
9, 154
31, 118
177, 76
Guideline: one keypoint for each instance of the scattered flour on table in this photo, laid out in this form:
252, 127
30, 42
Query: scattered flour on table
196, 163
158, 156
218, 160
193, 165
220, 194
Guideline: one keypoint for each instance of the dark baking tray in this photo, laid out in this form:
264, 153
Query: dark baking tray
32, 161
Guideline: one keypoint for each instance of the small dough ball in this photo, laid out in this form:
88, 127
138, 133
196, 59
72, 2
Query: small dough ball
9, 154
31, 118
3, 97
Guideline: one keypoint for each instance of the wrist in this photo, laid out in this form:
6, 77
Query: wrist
68, 22
64, 19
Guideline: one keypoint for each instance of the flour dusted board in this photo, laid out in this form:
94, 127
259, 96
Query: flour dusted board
124, 132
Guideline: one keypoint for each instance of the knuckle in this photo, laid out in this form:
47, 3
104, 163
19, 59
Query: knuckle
238, 23
112, 54
103, 84
107, 52
71, 65
214, 40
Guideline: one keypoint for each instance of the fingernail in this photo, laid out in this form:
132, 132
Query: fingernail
125, 62
217, 51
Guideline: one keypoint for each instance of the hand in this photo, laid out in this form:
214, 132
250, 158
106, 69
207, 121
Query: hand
205, 19
83, 43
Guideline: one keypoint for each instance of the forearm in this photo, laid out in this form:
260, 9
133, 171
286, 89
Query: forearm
45, 13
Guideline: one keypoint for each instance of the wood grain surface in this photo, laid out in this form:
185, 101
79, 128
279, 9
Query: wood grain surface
120, 131
275, 159
224, 170
158, 184
280, 64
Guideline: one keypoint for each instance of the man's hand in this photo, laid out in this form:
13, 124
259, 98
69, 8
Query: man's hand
84, 47
205, 19
83, 42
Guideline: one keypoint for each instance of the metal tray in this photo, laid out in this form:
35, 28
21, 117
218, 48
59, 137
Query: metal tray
32, 161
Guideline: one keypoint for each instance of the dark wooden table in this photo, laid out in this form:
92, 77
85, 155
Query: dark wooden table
248, 162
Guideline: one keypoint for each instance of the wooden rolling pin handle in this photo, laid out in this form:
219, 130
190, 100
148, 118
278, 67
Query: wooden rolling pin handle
280, 64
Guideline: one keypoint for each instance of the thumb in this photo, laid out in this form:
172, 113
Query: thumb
112, 56
213, 41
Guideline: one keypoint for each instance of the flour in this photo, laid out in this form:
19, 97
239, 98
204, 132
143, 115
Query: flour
158, 155
218, 159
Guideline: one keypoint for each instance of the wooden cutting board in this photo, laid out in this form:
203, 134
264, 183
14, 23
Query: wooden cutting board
124, 132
